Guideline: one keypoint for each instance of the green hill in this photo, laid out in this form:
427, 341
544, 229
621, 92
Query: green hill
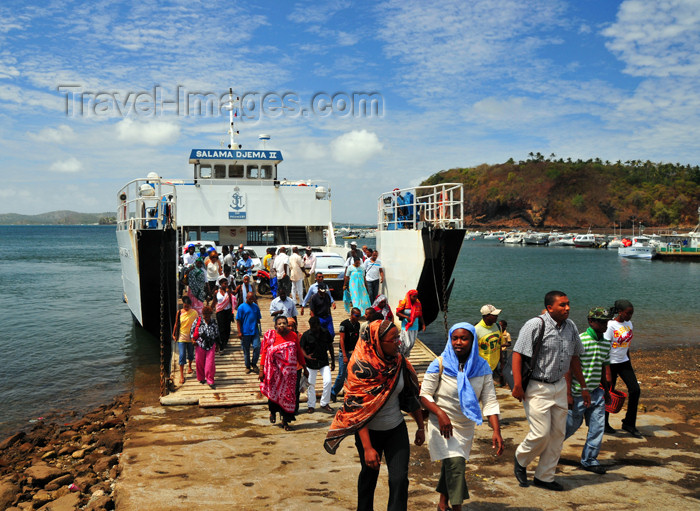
549, 193
58, 218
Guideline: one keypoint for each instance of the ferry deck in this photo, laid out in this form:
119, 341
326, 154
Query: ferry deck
236, 388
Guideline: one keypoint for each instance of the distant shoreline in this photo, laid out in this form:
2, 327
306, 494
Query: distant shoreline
58, 225
62, 217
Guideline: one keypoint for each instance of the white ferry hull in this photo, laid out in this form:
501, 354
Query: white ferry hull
140, 256
128, 255
421, 259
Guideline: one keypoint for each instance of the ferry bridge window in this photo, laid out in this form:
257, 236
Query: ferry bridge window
253, 172
205, 171
261, 236
255, 235
219, 171
235, 171
265, 171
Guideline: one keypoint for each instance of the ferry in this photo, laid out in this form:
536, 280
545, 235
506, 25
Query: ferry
236, 196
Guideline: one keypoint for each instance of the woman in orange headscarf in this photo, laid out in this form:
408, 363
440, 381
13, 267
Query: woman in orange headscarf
381, 383
410, 311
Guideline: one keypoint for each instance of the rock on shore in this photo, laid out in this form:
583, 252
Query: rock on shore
65, 466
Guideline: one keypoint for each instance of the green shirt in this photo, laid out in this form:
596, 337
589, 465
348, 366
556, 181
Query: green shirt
596, 356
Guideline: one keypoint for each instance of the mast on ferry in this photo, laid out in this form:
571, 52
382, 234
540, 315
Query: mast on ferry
231, 106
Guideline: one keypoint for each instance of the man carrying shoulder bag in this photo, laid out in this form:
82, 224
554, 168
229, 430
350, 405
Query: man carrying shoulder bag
544, 397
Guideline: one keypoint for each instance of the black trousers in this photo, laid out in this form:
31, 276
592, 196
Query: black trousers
275, 408
372, 290
223, 319
395, 447
625, 371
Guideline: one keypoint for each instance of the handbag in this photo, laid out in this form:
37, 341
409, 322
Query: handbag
527, 363
303, 383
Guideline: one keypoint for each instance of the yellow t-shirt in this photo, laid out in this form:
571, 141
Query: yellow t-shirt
266, 261
489, 339
186, 320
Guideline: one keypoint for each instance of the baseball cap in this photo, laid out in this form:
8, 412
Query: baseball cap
490, 309
353, 244
308, 248
600, 313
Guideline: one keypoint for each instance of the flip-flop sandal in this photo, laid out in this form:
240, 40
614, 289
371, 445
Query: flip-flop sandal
182, 381
273, 418
287, 427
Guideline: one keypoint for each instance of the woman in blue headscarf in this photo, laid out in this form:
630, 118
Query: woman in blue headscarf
453, 385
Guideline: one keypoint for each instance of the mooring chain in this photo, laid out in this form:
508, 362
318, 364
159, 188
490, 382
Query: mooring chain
444, 292
163, 375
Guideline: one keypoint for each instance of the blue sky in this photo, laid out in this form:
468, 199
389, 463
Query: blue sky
460, 83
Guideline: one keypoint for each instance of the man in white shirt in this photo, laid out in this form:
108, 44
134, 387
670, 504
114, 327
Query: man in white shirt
282, 270
228, 258
296, 273
352, 253
374, 275
190, 257
309, 268
282, 305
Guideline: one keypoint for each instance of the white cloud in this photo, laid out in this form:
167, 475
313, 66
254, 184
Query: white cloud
657, 38
19, 98
58, 135
316, 12
68, 166
347, 39
355, 147
149, 133
312, 151
453, 47
7, 65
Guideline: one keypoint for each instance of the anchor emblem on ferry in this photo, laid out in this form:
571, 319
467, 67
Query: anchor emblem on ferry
237, 200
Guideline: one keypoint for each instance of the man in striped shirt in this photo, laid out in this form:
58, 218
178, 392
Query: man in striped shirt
595, 364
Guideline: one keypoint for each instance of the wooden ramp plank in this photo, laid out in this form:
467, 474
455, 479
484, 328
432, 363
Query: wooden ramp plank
235, 388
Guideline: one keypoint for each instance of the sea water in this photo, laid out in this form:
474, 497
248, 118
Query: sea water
69, 341
515, 278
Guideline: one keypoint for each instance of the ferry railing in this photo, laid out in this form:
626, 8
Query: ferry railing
146, 204
437, 206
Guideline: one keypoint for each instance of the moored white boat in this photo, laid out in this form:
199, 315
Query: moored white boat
615, 243
514, 238
562, 240
495, 235
585, 240
638, 248
536, 238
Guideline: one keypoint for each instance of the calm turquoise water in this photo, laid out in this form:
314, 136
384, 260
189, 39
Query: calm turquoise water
70, 343
515, 278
